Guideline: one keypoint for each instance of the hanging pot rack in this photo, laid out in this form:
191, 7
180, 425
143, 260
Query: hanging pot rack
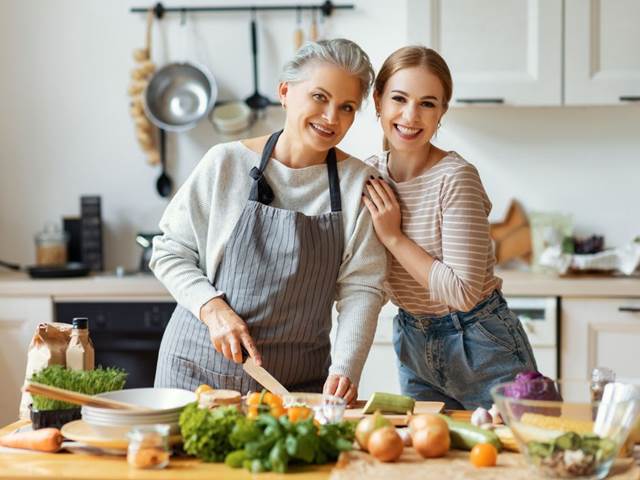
327, 8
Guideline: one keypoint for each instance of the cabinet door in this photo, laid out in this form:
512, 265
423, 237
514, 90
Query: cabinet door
602, 64
19, 318
600, 332
499, 51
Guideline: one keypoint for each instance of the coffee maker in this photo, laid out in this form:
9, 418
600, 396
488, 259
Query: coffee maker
145, 240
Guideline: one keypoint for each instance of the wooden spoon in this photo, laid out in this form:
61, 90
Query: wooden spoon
79, 398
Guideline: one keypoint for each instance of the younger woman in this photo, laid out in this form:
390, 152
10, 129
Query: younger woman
454, 335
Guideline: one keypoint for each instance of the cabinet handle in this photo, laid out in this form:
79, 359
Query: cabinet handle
630, 98
480, 100
629, 309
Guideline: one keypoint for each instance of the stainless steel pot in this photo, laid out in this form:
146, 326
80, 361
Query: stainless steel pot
179, 95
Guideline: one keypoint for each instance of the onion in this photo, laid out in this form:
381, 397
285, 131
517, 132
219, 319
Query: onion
385, 444
432, 442
367, 426
420, 422
405, 435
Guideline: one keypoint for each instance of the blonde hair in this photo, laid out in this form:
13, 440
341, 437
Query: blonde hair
415, 56
340, 52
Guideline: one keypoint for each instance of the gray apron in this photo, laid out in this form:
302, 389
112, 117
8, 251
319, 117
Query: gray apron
279, 271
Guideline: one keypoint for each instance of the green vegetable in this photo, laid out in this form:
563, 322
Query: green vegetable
206, 433
465, 436
264, 444
389, 403
90, 382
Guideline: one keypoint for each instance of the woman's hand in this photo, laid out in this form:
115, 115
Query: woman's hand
385, 211
228, 332
340, 386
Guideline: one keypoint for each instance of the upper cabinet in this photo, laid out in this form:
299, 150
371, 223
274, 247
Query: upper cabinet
534, 52
602, 59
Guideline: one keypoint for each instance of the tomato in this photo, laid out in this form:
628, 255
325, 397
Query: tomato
201, 389
277, 411
483, 455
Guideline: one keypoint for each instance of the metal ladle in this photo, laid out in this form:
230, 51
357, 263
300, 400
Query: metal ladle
164, 184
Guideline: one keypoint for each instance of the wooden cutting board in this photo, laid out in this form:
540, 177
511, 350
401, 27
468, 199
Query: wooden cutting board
355, 413
456, 465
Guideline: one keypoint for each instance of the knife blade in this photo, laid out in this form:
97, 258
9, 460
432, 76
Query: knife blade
263, 377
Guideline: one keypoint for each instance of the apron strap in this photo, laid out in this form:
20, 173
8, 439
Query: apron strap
334, 181
262, 192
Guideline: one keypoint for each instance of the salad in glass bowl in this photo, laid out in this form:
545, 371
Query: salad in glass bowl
560, 430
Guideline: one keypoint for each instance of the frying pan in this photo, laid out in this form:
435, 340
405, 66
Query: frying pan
72, 269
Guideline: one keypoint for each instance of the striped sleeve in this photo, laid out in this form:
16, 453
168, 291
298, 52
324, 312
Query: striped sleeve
457, 279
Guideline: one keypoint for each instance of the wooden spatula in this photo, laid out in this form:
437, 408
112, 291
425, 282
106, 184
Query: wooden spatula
79, 398
263, 377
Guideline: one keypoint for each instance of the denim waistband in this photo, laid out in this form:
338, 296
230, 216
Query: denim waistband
454, 321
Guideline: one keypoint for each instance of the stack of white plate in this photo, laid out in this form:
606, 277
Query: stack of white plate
165, 405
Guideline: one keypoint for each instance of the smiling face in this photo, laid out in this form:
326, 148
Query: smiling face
410, 106
321, 108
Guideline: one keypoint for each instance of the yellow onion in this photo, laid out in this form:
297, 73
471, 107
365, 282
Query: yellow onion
367, 426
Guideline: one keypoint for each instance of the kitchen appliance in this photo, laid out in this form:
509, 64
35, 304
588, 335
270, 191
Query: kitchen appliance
124, 334
145, 240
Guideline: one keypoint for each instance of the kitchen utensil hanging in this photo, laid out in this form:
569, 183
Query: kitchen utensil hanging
177, 97
257, 102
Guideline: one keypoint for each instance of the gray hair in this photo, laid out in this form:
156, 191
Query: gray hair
340, 52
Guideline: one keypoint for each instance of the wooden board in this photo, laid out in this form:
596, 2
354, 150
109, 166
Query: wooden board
355, 413
455, 465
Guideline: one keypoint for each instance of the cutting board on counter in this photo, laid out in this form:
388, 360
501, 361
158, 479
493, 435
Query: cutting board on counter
456, 465
355, 413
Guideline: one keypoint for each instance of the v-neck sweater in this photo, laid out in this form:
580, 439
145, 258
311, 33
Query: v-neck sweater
445, 211
201, 216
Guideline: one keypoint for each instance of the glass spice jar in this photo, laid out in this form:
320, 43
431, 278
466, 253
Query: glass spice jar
51, 246
149, 446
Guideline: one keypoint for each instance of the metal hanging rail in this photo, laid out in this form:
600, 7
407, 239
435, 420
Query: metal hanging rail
326, 8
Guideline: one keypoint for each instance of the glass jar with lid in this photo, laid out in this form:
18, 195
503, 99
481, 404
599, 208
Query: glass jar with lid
51, 245
148, 446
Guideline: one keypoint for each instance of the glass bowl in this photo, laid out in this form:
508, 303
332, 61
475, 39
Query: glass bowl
566, 435
326, 408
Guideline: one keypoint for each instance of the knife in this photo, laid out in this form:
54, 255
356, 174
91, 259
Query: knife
263, 377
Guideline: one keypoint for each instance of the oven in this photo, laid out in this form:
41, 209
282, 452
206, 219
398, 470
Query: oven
124, 334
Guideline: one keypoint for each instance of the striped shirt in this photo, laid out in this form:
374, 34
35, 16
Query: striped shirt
445, 211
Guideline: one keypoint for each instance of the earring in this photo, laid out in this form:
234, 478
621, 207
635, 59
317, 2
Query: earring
378, 113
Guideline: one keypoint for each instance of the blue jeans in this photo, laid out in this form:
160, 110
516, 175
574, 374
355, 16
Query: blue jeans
458, 357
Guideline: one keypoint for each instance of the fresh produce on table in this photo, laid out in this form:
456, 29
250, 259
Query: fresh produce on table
389, 403
483, 455
201, 389
216, 398
43, 440
506, 437
385, 444
262, 443
265, 402
532, 385
367, 426
465, 436
430, 435
571, 454
90, 382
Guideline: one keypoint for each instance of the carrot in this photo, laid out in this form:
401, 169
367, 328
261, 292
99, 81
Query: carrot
43, 440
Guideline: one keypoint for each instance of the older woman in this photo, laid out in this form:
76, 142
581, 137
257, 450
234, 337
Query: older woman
266, 234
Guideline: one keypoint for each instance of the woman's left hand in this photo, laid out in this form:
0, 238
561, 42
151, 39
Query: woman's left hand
340, 386
384, 209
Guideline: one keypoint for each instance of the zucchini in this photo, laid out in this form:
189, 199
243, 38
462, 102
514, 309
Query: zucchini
389, 403
465, 436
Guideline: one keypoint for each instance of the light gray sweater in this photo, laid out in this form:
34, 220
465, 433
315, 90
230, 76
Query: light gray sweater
200, 218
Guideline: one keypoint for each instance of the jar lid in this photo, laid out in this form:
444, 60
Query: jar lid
80, 323
52, 233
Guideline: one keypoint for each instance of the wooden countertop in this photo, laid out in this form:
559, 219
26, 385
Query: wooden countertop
92, 467
515, 283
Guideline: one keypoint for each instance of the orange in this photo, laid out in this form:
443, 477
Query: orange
483, 455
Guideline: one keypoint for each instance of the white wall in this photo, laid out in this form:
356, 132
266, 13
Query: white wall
65, 128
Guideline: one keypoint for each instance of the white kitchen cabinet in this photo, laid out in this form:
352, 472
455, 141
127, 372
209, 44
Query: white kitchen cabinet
602, 64
600, 332
499, 51
535, 52
19, 317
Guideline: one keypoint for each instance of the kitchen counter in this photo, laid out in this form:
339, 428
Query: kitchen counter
516, 283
